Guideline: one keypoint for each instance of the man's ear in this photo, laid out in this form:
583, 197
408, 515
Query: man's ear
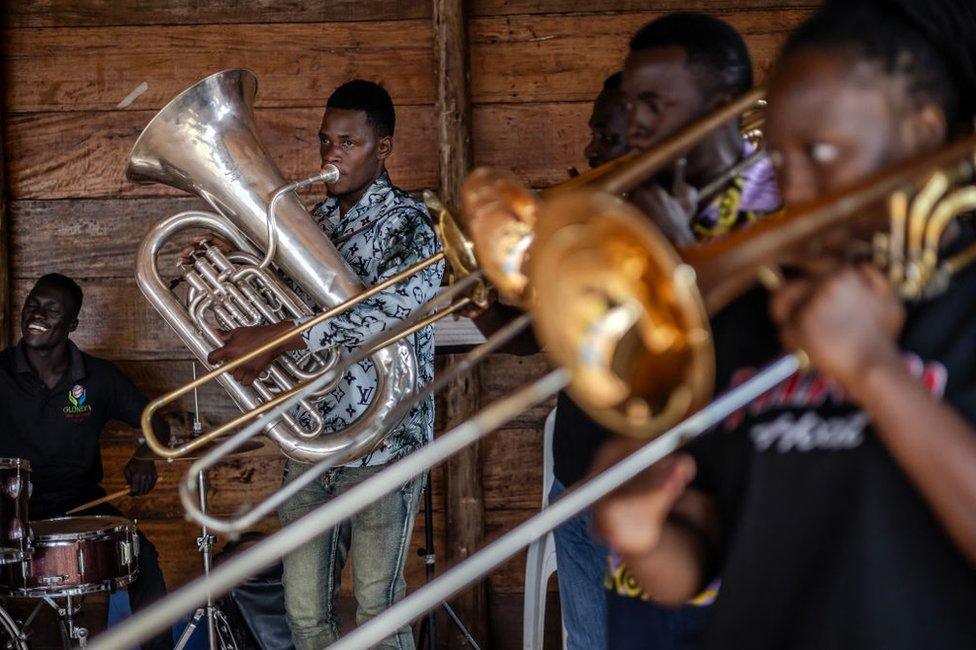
925, 129
73, 325
384, 147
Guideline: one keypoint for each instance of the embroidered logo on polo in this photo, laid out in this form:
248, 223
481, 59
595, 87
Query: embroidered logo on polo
811, 430
77, 408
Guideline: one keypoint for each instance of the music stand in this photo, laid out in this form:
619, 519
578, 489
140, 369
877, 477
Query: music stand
428, 624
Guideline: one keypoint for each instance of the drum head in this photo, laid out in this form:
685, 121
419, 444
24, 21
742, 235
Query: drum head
73, 527
21, 463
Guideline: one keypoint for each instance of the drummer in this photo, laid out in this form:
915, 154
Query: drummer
54, 402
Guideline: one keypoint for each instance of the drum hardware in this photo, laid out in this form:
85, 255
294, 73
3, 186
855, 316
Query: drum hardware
219, 636
14, 509
66, 617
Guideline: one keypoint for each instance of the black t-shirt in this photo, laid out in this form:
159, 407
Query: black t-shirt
575, 440
826, 542
58, 429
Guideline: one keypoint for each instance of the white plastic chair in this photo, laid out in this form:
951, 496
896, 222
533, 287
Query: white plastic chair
541, 560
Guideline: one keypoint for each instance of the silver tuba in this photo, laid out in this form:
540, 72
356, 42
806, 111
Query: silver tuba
205, 142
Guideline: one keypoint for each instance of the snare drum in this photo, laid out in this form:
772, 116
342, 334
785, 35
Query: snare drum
71, 556
15, 488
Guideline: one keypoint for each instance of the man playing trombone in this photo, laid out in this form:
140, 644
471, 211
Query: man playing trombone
837, 507
380, 230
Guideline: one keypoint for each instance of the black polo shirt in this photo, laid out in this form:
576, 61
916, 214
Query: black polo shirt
58, 429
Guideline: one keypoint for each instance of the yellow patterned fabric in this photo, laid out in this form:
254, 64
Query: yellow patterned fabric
622, 582
724, 212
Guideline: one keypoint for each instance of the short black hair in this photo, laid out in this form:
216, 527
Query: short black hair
930, 42
66, 284
369, 97
713, 49
613, 83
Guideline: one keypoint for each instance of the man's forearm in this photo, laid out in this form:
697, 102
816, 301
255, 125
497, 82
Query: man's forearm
674, 572
931, 442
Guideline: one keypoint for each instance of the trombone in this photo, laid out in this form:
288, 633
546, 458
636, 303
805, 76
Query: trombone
501, 216
509, 213
924, 198
593, 339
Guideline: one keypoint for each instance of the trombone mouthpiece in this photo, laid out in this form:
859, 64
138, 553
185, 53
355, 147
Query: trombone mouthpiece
329, 174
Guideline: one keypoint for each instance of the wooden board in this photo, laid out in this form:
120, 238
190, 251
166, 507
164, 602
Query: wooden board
84, 69
518, 59
44, 235
233, 486
511, 469
503, 373
566, 58
60, 13
92, 148
83, 154
117, 322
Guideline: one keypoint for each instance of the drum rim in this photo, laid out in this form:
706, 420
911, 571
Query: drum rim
109, 584
16, 463
119, 524
10, 555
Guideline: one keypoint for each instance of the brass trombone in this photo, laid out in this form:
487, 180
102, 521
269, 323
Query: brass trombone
623, 304
649, 309
502, 217
500, 214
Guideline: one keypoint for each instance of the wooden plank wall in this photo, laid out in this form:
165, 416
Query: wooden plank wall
535, 67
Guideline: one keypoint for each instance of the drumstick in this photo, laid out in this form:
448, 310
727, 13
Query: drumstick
99, 501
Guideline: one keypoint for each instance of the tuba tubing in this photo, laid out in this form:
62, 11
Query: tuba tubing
205, 142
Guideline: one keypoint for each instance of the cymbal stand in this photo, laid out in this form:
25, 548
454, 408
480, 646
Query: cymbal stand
219, 636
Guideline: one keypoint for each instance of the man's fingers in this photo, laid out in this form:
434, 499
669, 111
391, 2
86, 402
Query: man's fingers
875, 279
788, 299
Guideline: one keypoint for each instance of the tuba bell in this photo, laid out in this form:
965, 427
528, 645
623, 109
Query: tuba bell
205, 142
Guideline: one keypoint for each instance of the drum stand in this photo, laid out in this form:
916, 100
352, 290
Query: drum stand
219, 636
428, 625
66, 617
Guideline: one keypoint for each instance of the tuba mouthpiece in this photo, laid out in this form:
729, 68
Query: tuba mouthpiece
329, 174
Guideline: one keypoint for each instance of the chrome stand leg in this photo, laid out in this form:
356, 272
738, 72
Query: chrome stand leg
66, 616
219, 636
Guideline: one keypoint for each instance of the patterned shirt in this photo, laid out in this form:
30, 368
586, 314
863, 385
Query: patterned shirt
748, 197
386, 232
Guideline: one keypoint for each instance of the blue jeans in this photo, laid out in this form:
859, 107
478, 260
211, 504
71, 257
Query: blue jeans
377, 539
636, 624
581, 562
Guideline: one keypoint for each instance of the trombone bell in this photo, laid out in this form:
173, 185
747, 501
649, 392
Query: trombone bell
617, 307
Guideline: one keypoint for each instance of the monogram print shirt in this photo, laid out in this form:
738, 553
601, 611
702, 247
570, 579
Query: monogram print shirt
386, 232
748, 197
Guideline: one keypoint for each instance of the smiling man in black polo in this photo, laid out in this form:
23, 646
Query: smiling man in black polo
54, 402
